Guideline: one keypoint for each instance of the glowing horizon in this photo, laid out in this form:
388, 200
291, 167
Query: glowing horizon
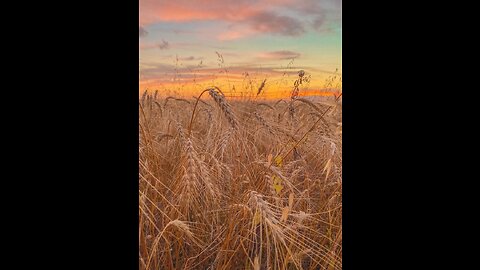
186, 46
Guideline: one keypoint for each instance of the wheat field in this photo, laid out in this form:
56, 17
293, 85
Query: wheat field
244, 183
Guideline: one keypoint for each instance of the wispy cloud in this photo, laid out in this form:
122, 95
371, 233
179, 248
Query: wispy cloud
279, 55
142, 32
151, 71
164, 45
318, 22
326, 14
269, 22
190, 58
264, 23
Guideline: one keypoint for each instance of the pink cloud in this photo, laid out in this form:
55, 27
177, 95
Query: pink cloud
246, 17
186, 10
152, 11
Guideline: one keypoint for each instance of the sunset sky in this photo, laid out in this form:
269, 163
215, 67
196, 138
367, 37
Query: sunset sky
182, 43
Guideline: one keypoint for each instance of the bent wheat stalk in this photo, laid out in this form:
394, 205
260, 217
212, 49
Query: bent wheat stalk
219, 98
